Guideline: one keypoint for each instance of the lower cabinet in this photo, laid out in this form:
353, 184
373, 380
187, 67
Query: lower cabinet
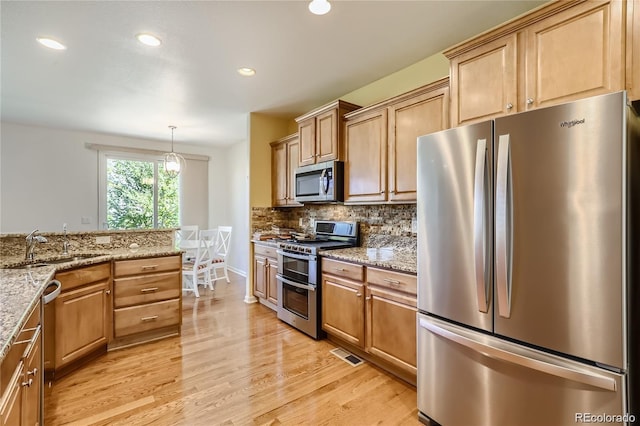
265, 268
147, 302
373, 311
21, 376
78, 323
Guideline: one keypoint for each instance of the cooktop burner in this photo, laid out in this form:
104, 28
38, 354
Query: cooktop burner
329, 235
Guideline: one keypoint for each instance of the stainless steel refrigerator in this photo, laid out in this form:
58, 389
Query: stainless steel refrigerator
528, 233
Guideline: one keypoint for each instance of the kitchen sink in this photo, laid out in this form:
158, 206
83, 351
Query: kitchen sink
28, 266
49, 262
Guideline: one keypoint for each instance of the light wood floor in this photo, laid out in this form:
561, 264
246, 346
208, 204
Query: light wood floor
234, 364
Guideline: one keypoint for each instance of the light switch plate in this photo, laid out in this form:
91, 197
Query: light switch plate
103, 240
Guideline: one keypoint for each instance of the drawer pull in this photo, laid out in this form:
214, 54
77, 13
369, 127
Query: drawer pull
340, 269
144, 319
147, 267
394, 283
148, 290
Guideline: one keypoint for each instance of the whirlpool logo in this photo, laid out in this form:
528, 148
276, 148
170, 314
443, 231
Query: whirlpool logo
570, 124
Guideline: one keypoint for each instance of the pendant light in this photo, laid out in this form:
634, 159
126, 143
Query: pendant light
173, 162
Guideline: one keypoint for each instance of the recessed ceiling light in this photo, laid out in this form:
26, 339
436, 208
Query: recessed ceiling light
148, 39
319, 7
247, 72
51, 43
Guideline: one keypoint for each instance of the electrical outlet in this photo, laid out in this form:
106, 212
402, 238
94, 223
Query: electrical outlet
312, 222
414, 225
103, 240
301, 222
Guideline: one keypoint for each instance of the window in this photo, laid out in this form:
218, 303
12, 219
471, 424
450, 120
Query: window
137, 193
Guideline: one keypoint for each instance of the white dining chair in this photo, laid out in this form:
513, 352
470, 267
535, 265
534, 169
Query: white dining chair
201, 265
187, 240
221, 252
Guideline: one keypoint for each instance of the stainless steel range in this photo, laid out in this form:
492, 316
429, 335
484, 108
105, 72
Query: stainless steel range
299, 275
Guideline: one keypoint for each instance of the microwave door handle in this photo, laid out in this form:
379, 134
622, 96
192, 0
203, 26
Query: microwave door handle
324, 182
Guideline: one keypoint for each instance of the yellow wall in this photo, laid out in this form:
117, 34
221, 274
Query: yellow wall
419, 74
263, 129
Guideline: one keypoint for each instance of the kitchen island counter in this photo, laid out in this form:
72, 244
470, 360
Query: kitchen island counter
21, 288
397, 258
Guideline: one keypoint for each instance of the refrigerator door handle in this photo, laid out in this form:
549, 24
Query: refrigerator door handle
588, 378
503, 228
480, 226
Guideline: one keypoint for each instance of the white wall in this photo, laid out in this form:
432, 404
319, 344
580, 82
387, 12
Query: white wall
48, 177
238, 198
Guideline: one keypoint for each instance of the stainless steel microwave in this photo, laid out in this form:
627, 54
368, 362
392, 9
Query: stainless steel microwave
320, 183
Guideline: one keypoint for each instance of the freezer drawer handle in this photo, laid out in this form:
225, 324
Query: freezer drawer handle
587, 378
480, 225
503, 229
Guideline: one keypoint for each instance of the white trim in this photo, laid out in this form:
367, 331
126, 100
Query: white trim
237, 271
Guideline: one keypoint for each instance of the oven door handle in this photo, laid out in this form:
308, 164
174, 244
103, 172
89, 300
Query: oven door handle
295, 284
295, 256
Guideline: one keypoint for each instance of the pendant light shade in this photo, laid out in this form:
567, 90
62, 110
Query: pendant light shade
319, 7
173, 163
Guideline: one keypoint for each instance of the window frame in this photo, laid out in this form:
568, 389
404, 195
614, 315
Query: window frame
103, 157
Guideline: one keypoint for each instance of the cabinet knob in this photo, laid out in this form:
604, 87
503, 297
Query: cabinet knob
529, 101
27, 384
32, 372
382, 192
367, 298
392, 192
509, 105
358, 294
107, 292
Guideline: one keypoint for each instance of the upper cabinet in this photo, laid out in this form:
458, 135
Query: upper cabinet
284, 162
380, 145
633, 49
320, 132
563, 51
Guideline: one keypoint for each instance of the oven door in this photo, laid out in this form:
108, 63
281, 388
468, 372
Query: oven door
298, 306
300, 268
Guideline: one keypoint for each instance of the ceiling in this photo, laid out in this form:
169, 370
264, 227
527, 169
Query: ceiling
108, 82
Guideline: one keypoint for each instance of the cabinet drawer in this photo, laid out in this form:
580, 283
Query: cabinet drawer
84, 275
147, 266
343, 269
393, 280
265, 251
146, 289
137, 319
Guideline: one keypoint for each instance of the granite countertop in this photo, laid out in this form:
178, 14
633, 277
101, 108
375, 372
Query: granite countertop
401, 259
21, 289
269, 243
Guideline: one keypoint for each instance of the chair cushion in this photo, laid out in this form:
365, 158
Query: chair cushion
218, 260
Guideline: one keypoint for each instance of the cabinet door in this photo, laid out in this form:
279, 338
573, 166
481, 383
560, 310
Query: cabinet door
279, 175
327, 136
633, 49
307, 135
484, 81
81, 322
293, 154
391, 328
343, 309
575, 54
366, 158
415, 117
260, 276
12, 401
49, 336
33, 382
272, 281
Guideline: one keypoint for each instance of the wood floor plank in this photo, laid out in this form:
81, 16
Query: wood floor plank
235, 364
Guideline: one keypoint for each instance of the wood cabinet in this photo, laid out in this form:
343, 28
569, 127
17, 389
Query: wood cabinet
81, 324
633, 49
21, 376
321, 133
342, 303
147, 299
284, 162
380, 145
391, 318
558, 53
265, 268
373, 311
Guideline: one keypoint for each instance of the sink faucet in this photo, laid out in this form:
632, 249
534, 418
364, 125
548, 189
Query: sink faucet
32, 239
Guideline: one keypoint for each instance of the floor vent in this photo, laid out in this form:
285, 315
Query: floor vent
347, 357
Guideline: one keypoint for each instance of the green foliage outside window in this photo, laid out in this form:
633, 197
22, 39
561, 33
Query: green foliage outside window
130, 195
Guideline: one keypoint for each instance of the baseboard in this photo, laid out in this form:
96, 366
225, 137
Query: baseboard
237, 271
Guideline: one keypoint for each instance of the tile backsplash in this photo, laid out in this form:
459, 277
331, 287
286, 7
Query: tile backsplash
384, 219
